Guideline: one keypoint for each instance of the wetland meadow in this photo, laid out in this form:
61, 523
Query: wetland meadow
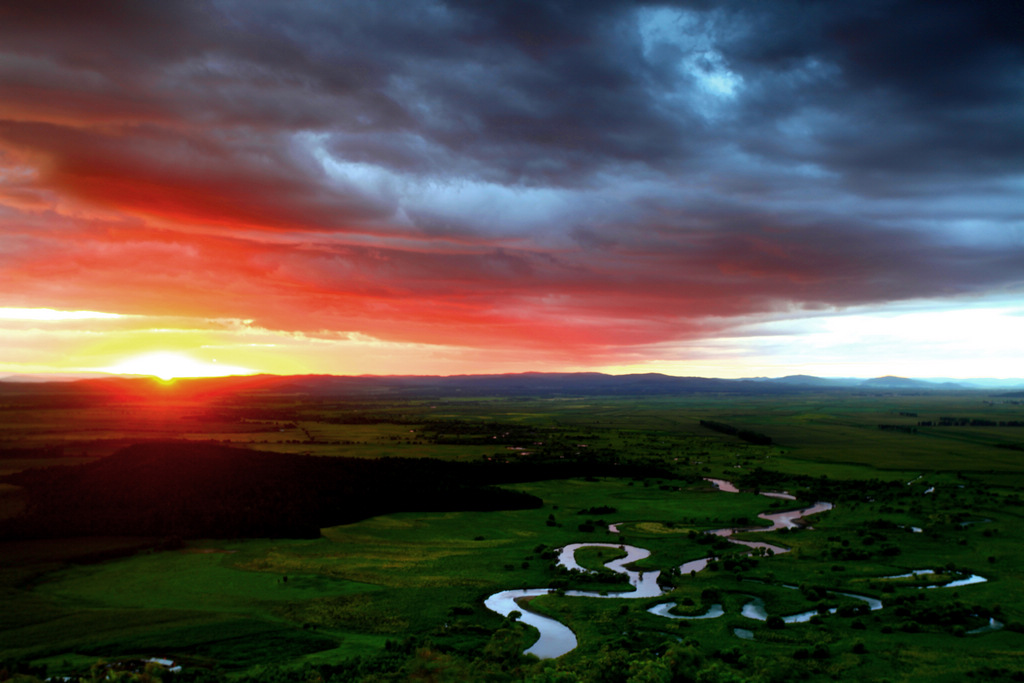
431, 535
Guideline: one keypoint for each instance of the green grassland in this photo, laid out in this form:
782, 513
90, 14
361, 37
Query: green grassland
404, 592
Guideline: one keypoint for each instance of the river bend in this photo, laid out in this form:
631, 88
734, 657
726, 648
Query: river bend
556, 639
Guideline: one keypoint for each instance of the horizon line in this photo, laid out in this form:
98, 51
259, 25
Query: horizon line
63, 376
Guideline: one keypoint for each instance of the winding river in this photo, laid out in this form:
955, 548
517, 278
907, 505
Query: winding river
556, 639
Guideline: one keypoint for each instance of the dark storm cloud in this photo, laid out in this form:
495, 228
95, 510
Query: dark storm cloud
650, 165
890, 92
505, 82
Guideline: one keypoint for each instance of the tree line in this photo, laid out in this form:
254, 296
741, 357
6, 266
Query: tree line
747, 435
206, 490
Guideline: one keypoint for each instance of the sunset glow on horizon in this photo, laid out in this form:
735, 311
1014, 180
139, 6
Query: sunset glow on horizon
197, 189
167, 365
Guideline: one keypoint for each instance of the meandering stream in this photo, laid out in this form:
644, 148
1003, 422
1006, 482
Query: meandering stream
556, 639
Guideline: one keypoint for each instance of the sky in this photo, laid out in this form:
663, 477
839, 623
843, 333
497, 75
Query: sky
724, 189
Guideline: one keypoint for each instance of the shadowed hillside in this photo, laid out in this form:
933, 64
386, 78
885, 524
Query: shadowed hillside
200, 489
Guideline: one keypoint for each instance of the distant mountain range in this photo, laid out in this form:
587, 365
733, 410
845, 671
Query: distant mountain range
523, 384
892, 382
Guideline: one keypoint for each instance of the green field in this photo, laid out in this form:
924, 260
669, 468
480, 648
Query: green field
400, 596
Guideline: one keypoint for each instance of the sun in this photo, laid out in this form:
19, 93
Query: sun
168, 365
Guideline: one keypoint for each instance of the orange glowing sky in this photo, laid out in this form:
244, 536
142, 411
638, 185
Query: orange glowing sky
717, 190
